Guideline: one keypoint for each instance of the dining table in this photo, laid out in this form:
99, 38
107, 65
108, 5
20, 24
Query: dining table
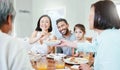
51, 64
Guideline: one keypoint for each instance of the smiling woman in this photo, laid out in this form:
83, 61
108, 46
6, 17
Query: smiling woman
41, 34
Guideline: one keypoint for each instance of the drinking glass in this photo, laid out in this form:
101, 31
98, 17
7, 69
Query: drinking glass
42, 63
87, 55
59, 63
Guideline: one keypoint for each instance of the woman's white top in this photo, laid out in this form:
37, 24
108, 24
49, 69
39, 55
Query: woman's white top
107, 49
40, 48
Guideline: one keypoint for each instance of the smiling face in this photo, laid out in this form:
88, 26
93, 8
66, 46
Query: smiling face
91, 18
45, 23
79, 34
63, 27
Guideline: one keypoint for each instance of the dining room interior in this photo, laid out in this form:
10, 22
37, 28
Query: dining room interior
29, 11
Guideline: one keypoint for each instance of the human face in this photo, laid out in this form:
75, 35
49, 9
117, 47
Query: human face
63, 27
79, 34
91, 18
44, 23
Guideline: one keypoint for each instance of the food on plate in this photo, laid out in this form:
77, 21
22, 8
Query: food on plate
75, 60
54, 55
72, 59
52, 42
55, 41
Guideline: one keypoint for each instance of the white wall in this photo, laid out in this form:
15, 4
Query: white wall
23, 19
76, 11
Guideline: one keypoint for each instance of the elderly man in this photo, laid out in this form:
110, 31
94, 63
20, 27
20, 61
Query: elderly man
12, 53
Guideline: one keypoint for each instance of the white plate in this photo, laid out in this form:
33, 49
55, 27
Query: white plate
77, 60
52, 42
66, 68
76, 67
62, 69
54, 55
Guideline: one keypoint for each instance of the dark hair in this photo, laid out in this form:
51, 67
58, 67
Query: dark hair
106, 16
80, 26
61, 19
38, 24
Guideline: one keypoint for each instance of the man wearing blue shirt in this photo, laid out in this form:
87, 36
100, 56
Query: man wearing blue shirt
63, 26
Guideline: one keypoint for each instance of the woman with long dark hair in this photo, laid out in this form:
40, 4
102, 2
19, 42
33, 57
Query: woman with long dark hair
41, 34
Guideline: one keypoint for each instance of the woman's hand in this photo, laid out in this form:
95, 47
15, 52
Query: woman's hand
42, 37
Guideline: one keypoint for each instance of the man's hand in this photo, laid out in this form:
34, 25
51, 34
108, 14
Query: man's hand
63, 43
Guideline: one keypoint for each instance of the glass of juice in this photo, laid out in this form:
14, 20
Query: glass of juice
42, 67
87, 55
59, 63
42, 63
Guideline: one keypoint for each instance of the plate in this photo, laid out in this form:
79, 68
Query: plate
52, 42
75, 67
62, 69
54, 55
75, 60
66, 68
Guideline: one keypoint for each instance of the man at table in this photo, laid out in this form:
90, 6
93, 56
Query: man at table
63, 26
12, 51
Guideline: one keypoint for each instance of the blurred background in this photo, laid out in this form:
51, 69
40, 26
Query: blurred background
29, 11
